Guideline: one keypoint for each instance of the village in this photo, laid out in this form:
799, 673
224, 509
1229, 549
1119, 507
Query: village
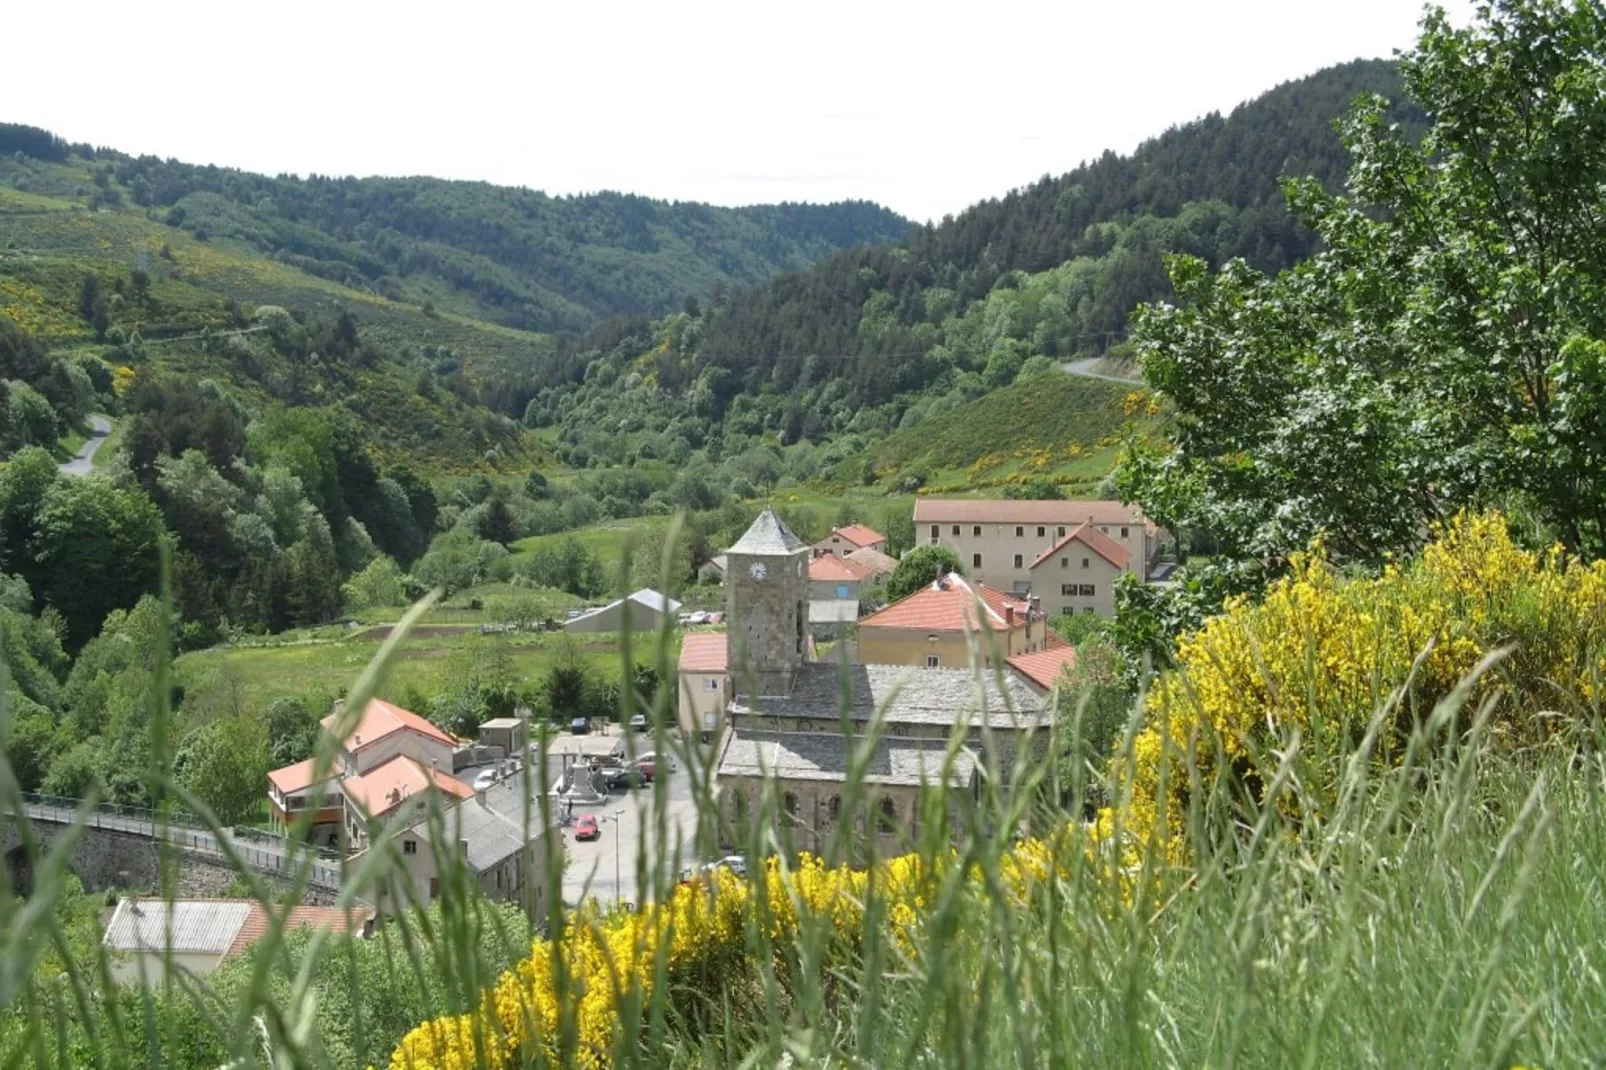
773, 696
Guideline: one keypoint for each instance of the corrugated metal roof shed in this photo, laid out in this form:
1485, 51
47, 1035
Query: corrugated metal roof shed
201, 925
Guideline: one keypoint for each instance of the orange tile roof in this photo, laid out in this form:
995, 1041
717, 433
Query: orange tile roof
335, 919
831, 568
873, 561
1094, 540
1055, 640
297, 777
394, 780
1044, 667
703, 652
860, 534
949, 604
380, 719
1010, 511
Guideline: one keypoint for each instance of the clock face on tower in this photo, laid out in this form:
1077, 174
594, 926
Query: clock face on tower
757, 570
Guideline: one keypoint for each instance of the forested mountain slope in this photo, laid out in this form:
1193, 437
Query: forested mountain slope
509, 255
871, 343
1210, 188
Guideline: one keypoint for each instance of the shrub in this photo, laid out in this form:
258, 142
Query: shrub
1320, 653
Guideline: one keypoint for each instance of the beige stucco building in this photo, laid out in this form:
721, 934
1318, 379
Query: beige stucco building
948, 622
1078, 573
383, 733
704, 681
502, 842
997, 541
843, 541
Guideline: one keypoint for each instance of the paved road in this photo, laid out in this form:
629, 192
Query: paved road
81, 464
1085, 367
605, 868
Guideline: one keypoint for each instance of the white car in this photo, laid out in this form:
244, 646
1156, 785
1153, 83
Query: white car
659, 760
737, 864
486, 778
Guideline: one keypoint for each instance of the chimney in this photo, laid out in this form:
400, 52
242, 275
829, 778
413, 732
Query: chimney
1009, 616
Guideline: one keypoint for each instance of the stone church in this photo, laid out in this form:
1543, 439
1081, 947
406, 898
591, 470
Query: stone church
797, 723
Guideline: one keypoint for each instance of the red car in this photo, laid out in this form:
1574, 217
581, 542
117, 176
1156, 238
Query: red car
646, 768
586, 828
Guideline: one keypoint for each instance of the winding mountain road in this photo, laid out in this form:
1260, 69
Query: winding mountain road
1085, 367
80, 465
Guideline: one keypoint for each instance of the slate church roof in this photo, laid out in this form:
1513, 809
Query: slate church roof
768, 537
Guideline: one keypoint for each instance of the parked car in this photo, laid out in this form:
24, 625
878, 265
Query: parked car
647, 769
486, 778
638, 723
622, 777
580, 726
737, 864
586, 828
656, 759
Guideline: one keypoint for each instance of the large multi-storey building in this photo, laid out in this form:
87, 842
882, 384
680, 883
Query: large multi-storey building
1067, 554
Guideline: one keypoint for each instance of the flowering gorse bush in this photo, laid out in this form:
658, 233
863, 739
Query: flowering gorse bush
702, 935
1320, 654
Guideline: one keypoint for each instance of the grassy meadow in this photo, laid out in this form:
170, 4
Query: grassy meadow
436, 657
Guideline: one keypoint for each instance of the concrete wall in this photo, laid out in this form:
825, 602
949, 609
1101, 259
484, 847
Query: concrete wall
999, 547
150, 967
1072, 570
831, 590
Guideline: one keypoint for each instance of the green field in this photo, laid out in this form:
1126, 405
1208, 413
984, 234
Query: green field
320, 667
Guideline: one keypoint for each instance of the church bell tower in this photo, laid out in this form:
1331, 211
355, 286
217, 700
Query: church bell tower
767, 605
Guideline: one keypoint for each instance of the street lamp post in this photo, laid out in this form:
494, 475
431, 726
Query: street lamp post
618, 827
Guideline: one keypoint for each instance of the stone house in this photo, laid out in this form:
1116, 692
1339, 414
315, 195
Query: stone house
804, 770
877, 565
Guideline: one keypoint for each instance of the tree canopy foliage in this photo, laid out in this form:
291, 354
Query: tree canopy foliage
1445, 349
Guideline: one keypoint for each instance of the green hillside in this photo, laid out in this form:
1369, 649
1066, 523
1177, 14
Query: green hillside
1064, 428
508, 255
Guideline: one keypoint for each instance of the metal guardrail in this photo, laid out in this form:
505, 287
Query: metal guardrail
270, 854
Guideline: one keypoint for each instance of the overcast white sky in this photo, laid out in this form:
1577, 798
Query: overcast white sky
923, 107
